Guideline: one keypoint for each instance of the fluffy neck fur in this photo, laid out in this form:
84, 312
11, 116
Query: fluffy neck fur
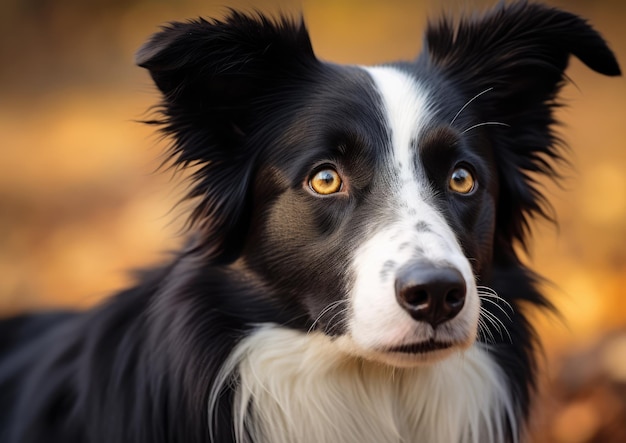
294, 387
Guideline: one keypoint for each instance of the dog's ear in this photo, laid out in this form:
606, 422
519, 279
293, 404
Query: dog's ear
513, 59
217, 79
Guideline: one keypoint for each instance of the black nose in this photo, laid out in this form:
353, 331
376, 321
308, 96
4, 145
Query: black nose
430, 294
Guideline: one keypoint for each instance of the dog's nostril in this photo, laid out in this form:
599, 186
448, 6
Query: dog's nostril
416, 298
455, 297
430, 294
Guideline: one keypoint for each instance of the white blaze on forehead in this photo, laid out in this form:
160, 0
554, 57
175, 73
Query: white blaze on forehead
414, 229
406, 112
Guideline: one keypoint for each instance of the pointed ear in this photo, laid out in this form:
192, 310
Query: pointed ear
513, 58
217, 78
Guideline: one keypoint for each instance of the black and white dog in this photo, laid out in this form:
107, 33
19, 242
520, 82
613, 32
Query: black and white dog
351, 272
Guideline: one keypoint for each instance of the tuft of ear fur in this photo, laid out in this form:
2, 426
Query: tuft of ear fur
514, 58
215, 77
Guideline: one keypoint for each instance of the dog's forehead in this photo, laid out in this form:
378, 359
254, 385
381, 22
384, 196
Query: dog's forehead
405, 104
376, 116
406, 112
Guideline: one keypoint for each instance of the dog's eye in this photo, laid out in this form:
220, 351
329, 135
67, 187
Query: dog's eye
325, 182
462, 181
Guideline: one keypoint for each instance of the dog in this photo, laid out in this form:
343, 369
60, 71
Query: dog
350, 273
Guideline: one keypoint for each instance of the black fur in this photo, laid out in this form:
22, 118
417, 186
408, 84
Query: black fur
250, 108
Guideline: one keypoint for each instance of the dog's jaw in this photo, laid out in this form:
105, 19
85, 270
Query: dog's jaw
413, 230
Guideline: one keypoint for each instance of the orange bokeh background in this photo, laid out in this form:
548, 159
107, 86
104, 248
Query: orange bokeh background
81, 202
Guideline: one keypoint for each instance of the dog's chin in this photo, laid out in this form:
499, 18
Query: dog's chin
417, 354
407, 355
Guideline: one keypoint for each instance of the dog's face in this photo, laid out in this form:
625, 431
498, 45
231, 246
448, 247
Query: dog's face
368, 209
370, 202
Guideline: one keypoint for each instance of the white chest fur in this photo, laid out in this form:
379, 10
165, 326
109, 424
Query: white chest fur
295, 387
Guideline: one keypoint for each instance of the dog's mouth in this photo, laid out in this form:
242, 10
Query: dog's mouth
423, 347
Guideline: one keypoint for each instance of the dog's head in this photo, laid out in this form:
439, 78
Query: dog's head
372, 201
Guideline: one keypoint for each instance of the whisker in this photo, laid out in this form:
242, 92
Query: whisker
498, 306
487, 292
487, 289
324, 311
488, 316
468, 102
491, 292
487, 327
485, 124
328, 308
330, 321
495, 321
484, 330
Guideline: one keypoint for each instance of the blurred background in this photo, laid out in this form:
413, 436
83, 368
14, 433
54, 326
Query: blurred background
82, 202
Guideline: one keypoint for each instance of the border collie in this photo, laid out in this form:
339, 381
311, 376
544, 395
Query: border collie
351, 272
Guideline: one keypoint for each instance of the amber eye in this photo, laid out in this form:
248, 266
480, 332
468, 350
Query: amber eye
326, 181
461, 181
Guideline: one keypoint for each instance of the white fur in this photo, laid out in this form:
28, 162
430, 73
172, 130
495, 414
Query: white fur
376, 320
295, 387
